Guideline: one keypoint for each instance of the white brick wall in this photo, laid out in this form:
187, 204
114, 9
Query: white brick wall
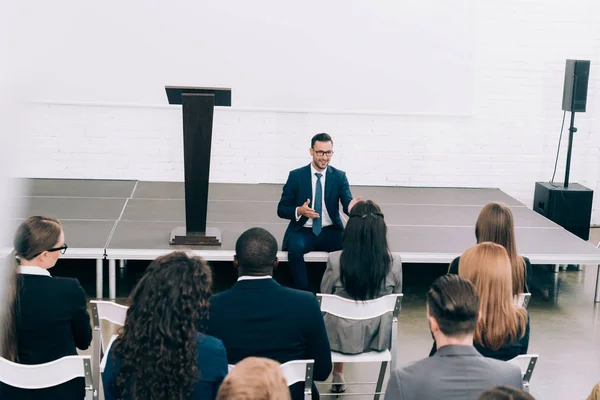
509, 140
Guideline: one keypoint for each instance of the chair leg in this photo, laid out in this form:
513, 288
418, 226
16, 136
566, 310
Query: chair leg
96, 357
597, 296
380, 380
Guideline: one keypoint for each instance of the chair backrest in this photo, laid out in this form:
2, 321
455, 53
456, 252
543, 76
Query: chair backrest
523, 299
110, 343
296, 371
360, 310
108, 311
527, 363
46, 375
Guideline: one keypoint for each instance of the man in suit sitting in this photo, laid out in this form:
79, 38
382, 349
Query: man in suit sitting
457, 370
311, 201
260, 318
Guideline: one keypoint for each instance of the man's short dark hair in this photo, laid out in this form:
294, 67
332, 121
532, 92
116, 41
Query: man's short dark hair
454, 303
256, 250
320, 137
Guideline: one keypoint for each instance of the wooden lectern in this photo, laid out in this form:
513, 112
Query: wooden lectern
198, 105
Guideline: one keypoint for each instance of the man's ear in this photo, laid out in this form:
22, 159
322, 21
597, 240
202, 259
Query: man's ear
236, 263
433, 324
275, 263
311, 150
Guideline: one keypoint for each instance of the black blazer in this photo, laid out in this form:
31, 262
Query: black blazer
52, 321
298, 188
528, 274
507, 352
261, 318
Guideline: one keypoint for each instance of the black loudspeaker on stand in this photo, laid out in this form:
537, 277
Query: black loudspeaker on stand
570, 206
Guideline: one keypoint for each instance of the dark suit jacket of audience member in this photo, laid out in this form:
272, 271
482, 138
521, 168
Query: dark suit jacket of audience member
212, 364
298, 189
526, 289
504, 353
52, 322
261, 318
454, 373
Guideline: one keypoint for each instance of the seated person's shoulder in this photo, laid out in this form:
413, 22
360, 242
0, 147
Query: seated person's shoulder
336, 172
502, 366
303, 296
207, 344
298, 171
67, 285
417, 370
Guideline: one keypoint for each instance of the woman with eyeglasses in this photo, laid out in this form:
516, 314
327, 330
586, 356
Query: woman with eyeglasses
364, 269
46, 317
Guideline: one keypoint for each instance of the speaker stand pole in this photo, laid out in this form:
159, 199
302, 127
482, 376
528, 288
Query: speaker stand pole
572, 130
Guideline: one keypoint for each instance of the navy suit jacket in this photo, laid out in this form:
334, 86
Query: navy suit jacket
261, 318
298, 188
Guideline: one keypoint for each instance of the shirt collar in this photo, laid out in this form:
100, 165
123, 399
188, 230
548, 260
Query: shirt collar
314, 171
252, 278
33, 270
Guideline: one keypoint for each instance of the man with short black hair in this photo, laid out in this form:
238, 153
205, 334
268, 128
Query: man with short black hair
260, 318
311, 201
457, 370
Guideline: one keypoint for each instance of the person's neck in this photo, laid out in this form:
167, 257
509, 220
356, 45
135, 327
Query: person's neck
442, 340
255, 273
317, 168
32, 263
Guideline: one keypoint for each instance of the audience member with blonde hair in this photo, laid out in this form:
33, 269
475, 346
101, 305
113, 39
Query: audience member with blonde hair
496, 224
595, 395
255, 378
505, 393
457, 371
503, 328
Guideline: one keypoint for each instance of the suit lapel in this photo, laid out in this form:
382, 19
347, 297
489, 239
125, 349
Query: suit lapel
328, 185
307, 185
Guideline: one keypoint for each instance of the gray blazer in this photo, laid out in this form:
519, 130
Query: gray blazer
453, 373
351, 336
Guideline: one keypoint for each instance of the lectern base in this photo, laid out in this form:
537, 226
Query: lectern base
179, 236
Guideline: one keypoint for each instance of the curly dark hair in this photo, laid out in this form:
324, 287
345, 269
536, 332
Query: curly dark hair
157, 345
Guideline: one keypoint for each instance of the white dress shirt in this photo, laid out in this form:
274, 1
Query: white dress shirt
325, 219
33, 270
253, 278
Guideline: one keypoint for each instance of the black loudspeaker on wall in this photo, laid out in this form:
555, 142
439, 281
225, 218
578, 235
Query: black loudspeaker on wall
577, 74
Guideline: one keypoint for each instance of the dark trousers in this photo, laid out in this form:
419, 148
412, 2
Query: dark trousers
304, 241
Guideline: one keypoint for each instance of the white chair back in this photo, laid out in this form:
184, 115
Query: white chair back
50, 374
296, 371
527, 363
522, 299
107, 311
108, 347
360, 310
